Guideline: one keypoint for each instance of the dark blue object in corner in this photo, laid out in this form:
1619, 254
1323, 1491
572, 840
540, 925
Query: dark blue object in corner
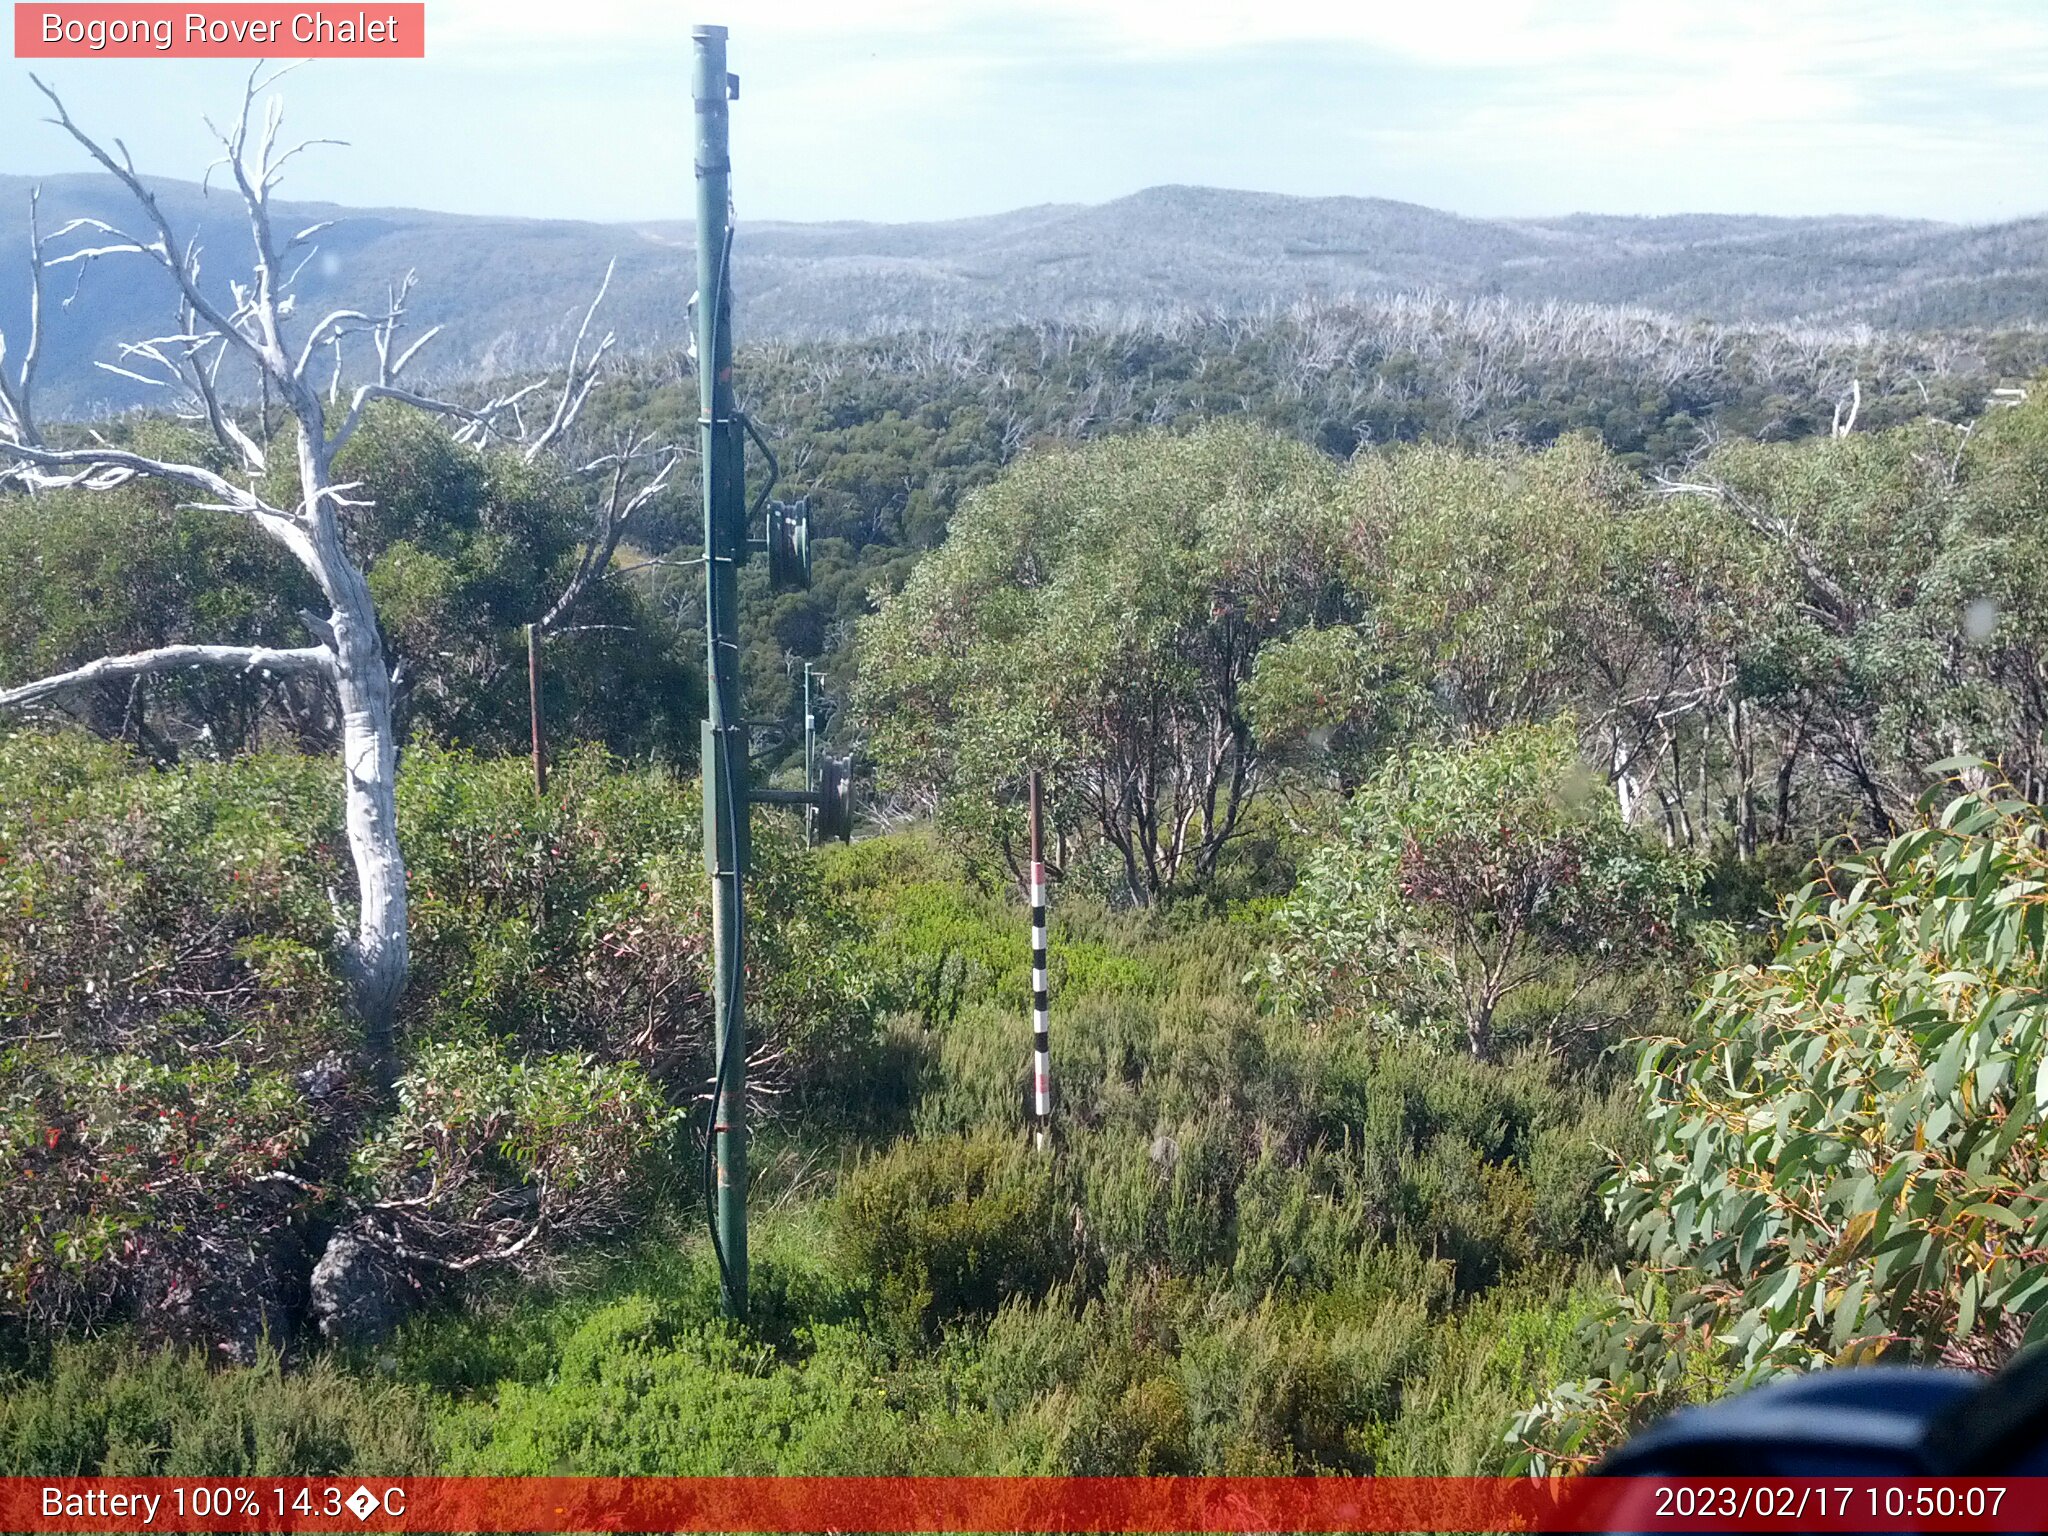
1873, 1421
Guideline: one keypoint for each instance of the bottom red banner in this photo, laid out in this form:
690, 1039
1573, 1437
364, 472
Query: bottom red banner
1021, 1504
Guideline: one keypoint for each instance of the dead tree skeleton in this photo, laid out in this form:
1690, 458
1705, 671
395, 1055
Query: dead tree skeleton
348, 652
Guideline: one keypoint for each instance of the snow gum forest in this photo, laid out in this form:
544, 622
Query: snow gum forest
1544, 815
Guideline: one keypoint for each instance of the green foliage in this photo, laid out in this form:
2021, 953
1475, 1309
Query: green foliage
116, 1162
90, 574
105, 1408
1848, 1152
182, 1097
555, 1146
1254, 1249
1268, 1238
1330, 693
461, 550
167, 915
1780, 643
952, 1227
1464, 875
1251, 1251
1097, 613
635, 1396
164, 972
1485, 570
579, 921
896, 432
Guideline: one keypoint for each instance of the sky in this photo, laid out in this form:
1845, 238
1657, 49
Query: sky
933, 109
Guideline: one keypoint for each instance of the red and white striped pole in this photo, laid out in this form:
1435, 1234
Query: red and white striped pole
1041, 1012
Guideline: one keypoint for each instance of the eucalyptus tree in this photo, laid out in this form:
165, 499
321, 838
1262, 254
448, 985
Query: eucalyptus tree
1466, 874
1863, 655
1098, 614
1993, 577
1844, 1157
1664, 711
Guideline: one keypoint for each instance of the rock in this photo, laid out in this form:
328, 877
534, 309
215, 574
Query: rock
359, 1292
325, 1078
226, 1298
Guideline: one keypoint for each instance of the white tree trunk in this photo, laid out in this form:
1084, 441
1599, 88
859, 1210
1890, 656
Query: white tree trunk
375, 953
1628, 793
378, 955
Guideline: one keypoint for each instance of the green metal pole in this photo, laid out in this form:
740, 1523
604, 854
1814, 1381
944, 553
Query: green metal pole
724, 749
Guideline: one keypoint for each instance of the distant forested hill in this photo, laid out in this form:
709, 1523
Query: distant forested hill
508, 289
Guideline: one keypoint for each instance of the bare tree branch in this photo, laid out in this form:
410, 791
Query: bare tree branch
318, 334
161, 250
1845, 424
19, 418
86, 463
481, 418
170, 658
613, 515
203, 374
580, 376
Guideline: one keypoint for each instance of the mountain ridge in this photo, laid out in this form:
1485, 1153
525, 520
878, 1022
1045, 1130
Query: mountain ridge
511, 289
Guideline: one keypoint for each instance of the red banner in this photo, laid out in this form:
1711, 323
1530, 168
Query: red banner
98, 30
1022, 1504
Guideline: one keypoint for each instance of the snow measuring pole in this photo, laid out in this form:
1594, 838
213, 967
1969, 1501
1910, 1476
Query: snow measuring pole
1041, 1001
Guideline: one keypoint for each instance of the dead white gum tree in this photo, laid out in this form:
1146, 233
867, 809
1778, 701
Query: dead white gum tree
249, 329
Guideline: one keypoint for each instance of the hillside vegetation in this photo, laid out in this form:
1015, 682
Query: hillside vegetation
1546, 927
887, 437
511, 291
1258, 1248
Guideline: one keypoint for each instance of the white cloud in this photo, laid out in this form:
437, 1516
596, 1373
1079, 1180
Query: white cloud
1483, 105
521, 24
1669, 70
1824, 36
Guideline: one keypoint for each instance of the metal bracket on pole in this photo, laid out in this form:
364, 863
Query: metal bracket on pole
786, 537
827, 795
